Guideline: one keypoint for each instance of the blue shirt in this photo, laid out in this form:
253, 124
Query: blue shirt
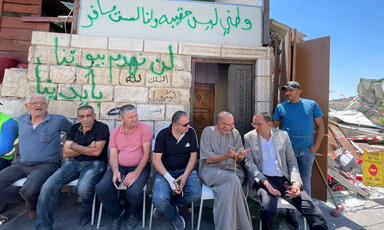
41, 144
298, 121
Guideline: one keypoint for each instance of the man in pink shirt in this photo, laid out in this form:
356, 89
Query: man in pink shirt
130, 149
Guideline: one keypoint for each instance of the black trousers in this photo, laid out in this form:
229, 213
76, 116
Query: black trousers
303, 204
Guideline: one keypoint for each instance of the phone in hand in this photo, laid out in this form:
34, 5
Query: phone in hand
119, 185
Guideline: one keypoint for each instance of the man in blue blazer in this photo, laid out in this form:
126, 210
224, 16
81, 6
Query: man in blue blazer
273, 173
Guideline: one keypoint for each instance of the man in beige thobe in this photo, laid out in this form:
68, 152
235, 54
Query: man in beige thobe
221, 151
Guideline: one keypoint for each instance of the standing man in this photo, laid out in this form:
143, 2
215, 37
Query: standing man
299, 117
39, 146
272, 163
87, 144
221, 152
130, 150
8, 139
175, 156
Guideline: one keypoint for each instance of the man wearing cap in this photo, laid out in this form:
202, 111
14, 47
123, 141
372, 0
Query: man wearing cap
174, 158
8, 139
299, 116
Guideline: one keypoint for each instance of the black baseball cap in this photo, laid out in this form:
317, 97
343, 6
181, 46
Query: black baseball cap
291, 85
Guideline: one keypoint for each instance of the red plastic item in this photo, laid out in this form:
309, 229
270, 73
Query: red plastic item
360, 178
360, 160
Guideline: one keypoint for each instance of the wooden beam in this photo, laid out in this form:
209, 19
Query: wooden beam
75, 17
46, 19
19, 8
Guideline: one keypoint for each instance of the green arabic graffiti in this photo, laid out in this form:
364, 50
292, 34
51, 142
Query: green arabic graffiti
226, 22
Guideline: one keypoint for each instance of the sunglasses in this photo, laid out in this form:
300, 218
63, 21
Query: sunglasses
184, 125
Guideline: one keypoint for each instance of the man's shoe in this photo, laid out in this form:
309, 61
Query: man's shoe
85, 218
291, 219
115, 225
32, 214
179, 223
132, 222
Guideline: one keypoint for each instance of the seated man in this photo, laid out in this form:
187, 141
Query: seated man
39, 147
87, 143
273, 172
8, 139
221, 151
175, 156
130, 150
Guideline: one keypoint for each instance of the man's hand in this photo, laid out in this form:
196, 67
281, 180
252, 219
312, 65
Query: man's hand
130, 178
183, 180
270, 188
241, 154
116, 176
314, 148
294, 191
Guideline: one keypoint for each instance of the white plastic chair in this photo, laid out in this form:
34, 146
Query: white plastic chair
124, 188
206, 194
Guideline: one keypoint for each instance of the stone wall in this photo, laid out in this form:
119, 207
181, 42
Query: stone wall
156, 76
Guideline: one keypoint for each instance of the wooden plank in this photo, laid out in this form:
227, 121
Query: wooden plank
18, 8
16, 34
75, 17
15, 22
14, 45
30, 2
45, 19
21, 56
1, 8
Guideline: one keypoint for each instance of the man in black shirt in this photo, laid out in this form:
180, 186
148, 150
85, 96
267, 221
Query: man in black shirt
87, 144
175, 156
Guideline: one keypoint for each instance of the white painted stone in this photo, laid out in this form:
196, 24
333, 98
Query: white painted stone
14, 83
107, 107
151, 112
48, 89
97, 93
171, 109
81, 41
160, 46
263, 89
121, 58
263, 106
105, 76
246, 53
48, 39
128, 94
62, 74
169, 96
132, 79
65, 108
158, 125
38, 71
125, 44
69, 92
199, 50
154, 80
263, 67
149, 61
48, 55
181, 79
94, 58
82, 76
12, 107
180, 62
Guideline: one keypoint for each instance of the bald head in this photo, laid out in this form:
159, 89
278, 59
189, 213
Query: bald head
223, 115
225, 122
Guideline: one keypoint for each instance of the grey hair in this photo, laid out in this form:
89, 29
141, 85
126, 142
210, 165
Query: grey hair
177, 115
86, 107
36, 95
267, 118
125, 108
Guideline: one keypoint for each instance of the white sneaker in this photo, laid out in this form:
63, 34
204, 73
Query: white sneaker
179, 223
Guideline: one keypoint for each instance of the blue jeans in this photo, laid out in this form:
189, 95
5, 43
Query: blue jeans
165, 202
88, 173
4, 163
106, 192
305, 161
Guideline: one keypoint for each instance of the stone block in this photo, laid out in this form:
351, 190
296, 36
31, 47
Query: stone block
110, 110
263, 89
59, 56
65, 108
263, 106
160, 46
135, 78
158, 125
82, 76
48, 89
91, 42
38, 72
171, 109
169, 96
97, 93
14, 83
148, 61
245, 53
129, 94
110, 123
62, 74
94, 58
69, 92
122, 59
105, 76
13, 107
201, 50
151, 112
154, 80
48, 39
180, 62
263, 67
125, 44
181, 79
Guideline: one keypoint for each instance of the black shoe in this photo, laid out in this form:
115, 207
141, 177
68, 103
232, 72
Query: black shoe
291, 219
132, 222
85, 218
115, 225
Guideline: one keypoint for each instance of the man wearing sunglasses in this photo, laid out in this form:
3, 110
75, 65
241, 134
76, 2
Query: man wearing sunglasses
174, 157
